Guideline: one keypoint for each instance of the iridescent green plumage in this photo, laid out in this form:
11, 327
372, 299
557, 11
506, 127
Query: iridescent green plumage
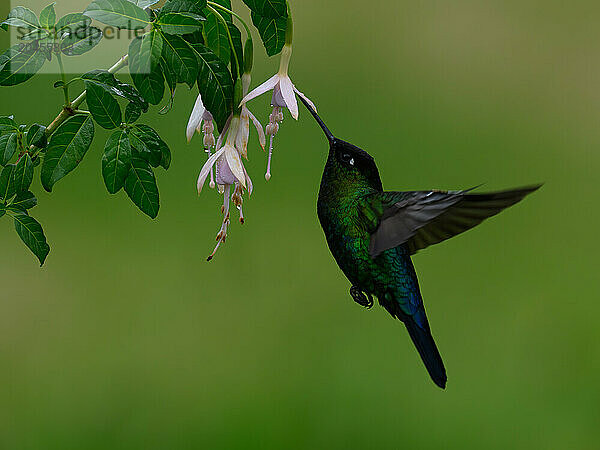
372, 234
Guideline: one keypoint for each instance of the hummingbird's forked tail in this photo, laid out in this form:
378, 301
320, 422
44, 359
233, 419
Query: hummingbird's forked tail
328, 134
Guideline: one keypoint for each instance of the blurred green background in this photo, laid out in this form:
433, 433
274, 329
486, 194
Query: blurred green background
128, 339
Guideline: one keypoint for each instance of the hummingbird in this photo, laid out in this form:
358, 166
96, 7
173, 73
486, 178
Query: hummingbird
373, 233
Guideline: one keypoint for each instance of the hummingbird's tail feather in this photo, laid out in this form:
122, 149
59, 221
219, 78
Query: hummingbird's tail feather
412, 314
428, 351
330, 136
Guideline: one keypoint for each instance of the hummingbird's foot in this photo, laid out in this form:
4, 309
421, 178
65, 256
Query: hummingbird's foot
360, 297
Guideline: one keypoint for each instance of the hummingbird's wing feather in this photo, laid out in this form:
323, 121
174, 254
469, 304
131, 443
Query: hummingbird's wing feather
424, 218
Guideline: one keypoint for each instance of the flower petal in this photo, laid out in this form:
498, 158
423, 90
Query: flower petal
195, 118
277, 98
249, 182
225, 176
265, 87
206, 168
287, 90
259, 129
235, 164
312, 105
243, 132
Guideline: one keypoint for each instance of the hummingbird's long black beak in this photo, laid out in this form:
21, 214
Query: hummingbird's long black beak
330, 137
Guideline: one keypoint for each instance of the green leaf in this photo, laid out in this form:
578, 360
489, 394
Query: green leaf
194, 38
35, 35
118, 13
36, 136
80, 41
22, 17
144, 3
4, 59
236, 37
181, 59
150, 84
31, 233
115, 161
8, 147
149, 145
132, 113
268, 8
7, 123
215, 85
216, 38
47, 45
109, 82
23, 173
68, 145
180, 23
171, 79
23, 61
23, 201
72, 22
272, 32
140, 150
183, 6
103, 106
7, 185
141, 187
165, 160
48, 16
150, 51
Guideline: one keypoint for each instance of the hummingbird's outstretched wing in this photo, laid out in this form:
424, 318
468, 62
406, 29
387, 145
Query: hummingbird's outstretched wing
424, 218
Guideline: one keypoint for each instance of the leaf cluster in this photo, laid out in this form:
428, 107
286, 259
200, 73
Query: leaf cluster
193, 42
16, 178
42, 38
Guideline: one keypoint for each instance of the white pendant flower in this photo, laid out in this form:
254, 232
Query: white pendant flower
230, 171
281, 83
284, 96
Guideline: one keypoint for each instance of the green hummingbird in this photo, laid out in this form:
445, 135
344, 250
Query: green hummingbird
372, 234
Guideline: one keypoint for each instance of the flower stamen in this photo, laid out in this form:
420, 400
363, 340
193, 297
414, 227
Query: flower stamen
222, 234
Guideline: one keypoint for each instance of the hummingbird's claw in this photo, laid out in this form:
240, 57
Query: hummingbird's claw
360, 297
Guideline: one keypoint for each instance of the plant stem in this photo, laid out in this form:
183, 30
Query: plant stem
289, 29
65, 86
237, 16
114, 69
220, 17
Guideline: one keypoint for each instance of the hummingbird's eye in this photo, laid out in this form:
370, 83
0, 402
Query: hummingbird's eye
348, 159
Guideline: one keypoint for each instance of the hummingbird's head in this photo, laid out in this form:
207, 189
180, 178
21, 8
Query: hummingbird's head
347, 164
353, 165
